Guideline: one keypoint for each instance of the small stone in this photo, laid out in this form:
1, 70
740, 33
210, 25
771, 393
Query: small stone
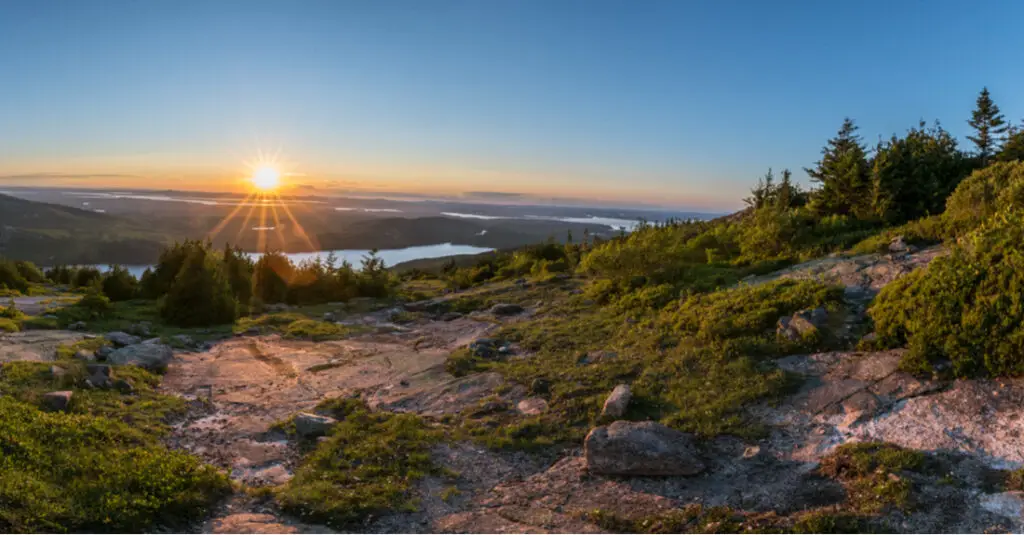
309, 425
83, 355
751, 451
540, 386
99, 381
153, 357
57, 372
506, 309
329, 317
532, 406
617, 403
57, 401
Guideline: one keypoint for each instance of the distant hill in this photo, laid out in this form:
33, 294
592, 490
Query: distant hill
50, 234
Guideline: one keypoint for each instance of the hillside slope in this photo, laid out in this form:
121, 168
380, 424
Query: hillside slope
51, 234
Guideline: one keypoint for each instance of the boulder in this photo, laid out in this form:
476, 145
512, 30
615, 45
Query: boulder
154, 357
57, 372
99, 369
122, 339
540, 386
57, 401
898, 245
104, 352
617, 403
641, 449
506, 309
802, 325
99, 381
329, 317
140, 329
309, 425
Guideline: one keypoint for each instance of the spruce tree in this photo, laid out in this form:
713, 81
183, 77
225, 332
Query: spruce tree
201, 293
989, 125
843, 175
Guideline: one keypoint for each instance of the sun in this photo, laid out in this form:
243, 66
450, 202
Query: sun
266, 178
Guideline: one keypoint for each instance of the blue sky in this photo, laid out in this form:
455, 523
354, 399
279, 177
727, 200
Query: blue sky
680, 103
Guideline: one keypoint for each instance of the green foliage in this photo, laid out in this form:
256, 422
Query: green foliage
81, 473
315, 330
30, 272
11, 278
989, 126
987, 191
922, 232
965, 308
830, 522
843, 174
200, 294
270, 280
119, 284
238, 268
8, 325
871, 473
87, 277
366, 466
92, 305
1013, 149
61, 274
912, 176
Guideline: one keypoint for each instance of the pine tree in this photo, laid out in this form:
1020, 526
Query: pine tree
784, 196
843, 175
989, 125
201, 294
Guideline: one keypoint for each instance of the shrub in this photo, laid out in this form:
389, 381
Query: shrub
11, 278
270, 278
965, 307
61, 274
119, 284
8, 325
30, 272
987, 191
200, 294
94, 305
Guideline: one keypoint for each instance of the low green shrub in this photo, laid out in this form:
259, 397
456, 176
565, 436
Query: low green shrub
9, 326
966, 307
119, 284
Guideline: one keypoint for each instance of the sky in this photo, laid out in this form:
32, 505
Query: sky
679, 103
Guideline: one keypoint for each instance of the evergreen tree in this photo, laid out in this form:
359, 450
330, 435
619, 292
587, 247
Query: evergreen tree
913, 175
760, 194
1013, 148
201, 294
843, 175
271, 276
786, 193
989, 125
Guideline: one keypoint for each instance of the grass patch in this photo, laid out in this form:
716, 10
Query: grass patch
693, 364
367, 465
874, 474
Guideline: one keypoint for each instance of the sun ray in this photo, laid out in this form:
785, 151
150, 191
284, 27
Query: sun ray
261, 241
298, 228
227, 219
245, 223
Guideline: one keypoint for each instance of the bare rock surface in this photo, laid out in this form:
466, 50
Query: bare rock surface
35, 345
618, 401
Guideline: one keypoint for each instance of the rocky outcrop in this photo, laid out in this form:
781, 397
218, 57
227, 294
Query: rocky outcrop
617, 403
309, 425
153, 357
641, 449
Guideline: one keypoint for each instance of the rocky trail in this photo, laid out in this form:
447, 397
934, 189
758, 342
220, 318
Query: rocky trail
239, 388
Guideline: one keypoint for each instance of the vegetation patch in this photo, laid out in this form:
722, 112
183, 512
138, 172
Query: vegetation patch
874, 474
965, 308
367, 465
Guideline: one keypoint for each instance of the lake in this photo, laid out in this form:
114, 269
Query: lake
355, 256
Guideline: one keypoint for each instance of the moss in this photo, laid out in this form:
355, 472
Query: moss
367, 465
874, 474
316, 330
830, 522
